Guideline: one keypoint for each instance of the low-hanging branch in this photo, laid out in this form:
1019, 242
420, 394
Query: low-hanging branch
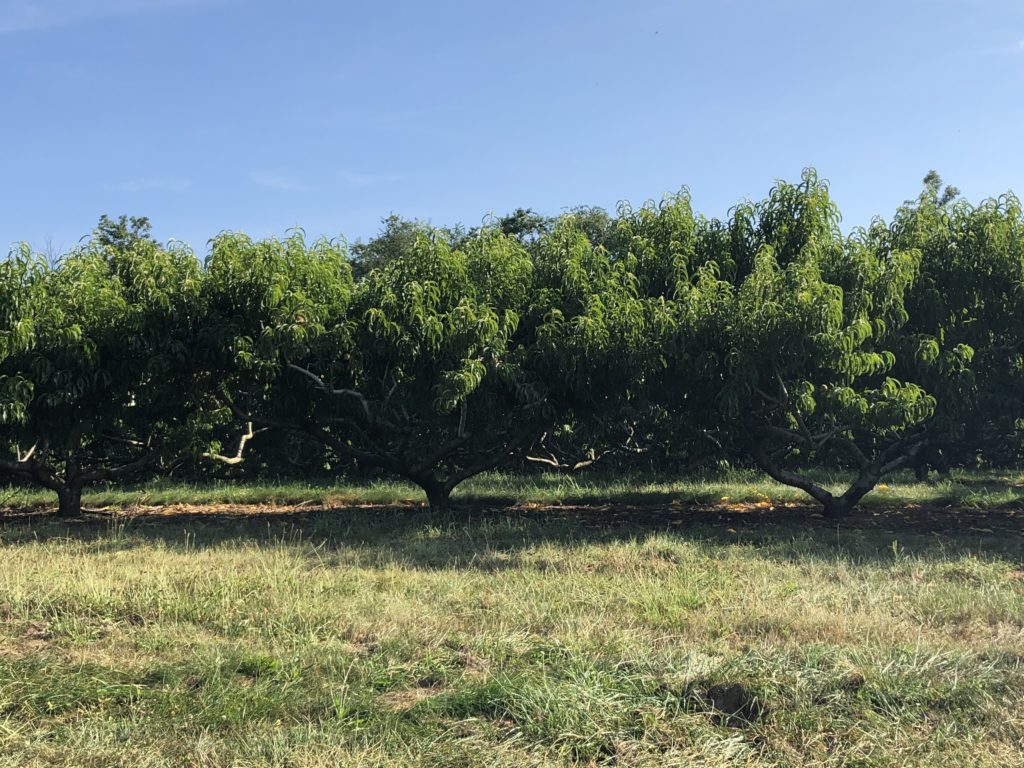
239, 455
549, 445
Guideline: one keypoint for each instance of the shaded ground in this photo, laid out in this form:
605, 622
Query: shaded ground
869, 532
762, 516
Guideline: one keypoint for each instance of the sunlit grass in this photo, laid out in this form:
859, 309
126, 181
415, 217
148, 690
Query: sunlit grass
390, 637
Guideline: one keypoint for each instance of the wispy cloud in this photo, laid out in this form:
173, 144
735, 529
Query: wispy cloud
149, 185
27, 15
369, 179
276, 180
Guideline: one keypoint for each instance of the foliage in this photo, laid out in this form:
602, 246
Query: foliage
597, 341
805, 349
106, 336
398, 236
264, 303
655, 337
414, 370
963, 338
19, 275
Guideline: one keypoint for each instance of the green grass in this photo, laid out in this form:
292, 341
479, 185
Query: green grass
395, 637
979, 490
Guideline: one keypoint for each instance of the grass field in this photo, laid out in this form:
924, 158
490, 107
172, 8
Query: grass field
656, 625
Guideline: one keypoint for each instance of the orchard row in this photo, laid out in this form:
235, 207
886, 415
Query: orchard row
652, 334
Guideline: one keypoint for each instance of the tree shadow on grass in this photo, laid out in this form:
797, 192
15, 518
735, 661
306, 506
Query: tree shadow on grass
491, 537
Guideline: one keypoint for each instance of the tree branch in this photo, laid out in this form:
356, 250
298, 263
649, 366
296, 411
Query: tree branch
242, 441
325, 387
854, 450
124, 441
118, 472
784, 476
24, 458
439, 454
492, 460
33, 470
18, 467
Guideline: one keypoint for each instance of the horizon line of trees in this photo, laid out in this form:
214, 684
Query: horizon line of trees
650, 335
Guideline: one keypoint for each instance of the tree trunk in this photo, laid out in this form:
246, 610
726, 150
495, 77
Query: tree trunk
438, 496
833, 506
69, 501
837, 507
840, 506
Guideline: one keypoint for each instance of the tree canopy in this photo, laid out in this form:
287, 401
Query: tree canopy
770, 337
95, 362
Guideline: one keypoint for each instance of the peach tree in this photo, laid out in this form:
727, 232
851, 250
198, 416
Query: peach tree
807, 334
105, 333
413, 370
963, 339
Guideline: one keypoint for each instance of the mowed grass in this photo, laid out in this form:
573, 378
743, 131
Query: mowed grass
508, 637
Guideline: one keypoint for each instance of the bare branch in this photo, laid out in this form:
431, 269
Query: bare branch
788, 434
493, 459
768, 397
552, 462
23, 458
439, 454
250, 433
782, 385
392, 389
16, 467
899, 453
823, 437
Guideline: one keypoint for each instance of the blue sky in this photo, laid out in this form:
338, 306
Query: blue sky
258, 116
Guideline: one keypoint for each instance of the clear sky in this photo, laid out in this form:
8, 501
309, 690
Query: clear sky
258, 116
